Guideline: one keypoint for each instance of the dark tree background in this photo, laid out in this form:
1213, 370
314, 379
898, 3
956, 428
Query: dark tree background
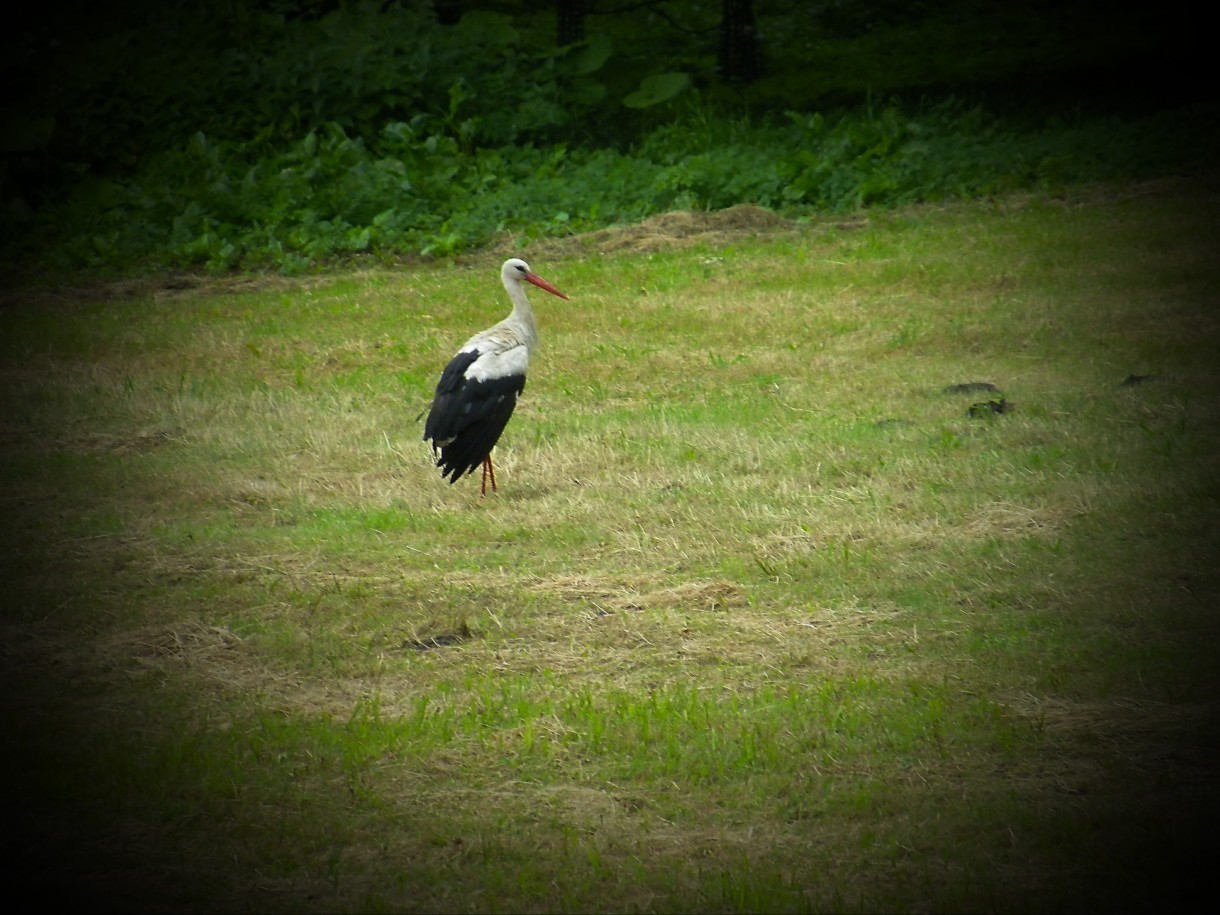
740, 53
570, 18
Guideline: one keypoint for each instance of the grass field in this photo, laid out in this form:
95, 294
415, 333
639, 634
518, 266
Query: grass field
761, 619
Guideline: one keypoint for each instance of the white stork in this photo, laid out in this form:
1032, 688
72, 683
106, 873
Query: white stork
479, 387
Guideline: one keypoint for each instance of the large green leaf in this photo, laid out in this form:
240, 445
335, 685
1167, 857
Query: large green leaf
657, 88
595, 52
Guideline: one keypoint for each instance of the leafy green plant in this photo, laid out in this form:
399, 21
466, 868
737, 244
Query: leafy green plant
424, 186
292, 135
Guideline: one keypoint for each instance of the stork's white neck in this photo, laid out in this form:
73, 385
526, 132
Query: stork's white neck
522, 317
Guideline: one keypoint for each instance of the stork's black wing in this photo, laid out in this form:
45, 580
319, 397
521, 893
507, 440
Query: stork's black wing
468, 415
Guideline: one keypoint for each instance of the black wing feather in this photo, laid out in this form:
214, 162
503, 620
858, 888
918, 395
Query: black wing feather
468, 417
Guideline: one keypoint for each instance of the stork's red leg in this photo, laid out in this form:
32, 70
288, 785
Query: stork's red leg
489, 470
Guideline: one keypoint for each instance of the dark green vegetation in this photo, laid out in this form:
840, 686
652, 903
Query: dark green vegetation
761, 619
289, 135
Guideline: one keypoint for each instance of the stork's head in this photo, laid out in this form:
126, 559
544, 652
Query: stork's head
517, 271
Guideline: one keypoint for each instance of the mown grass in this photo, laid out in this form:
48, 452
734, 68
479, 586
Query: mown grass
760, 620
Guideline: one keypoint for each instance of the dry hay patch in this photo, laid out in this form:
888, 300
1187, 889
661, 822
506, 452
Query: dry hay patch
1009, 519
1145, 723
872, 627
608, 595
216, 663
1104, 747
157, 286
212, 652
92, 443
665, 231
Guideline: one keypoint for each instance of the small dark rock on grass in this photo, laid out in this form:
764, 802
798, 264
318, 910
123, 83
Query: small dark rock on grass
1132, 380
990, 408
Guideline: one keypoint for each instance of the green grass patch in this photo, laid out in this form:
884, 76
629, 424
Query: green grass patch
761, 618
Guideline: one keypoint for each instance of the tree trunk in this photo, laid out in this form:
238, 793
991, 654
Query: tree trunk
570, 18
740, 54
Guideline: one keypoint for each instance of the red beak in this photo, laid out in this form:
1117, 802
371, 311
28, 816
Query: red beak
543, 284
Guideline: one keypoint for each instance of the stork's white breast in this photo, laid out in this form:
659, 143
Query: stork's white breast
496, 364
